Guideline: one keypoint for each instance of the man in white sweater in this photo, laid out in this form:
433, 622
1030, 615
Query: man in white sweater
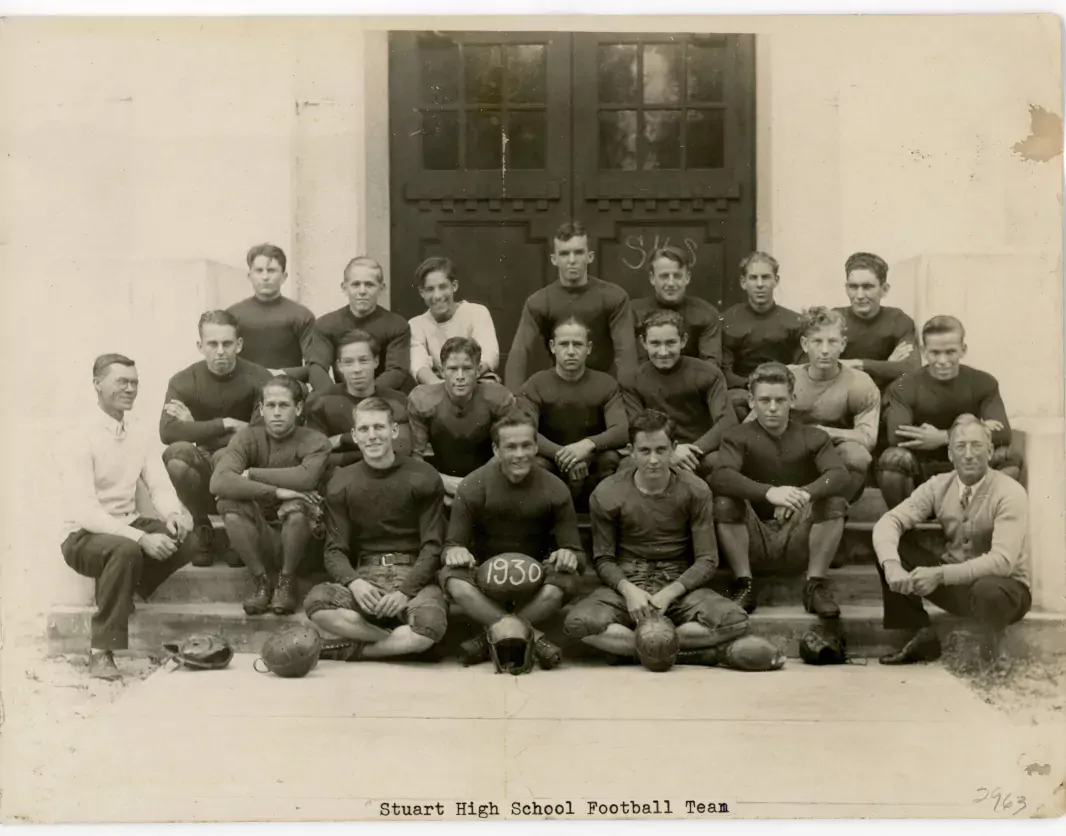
447, 318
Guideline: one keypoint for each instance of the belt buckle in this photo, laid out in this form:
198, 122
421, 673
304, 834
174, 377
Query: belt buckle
386, 560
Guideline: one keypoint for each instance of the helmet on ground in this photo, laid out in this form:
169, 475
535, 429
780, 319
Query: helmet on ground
292, 651
752, 653
657, 643
200, 651
511, 645
510, 575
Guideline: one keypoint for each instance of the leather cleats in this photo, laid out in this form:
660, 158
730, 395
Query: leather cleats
924, 646
547, 653
258, 602
742, 593
102, 666
340, 650
704, 656
817, 599
474, 651
284, 600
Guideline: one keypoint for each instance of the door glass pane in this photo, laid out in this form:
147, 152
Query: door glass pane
483, 68
527, 139
439, 70
705, 145
440, 141
526, 73
618, 73
618, 139
662, 135
705, 73
484, 139
662, 74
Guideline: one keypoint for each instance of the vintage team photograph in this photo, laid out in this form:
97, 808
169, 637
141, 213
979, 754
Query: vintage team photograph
533, 418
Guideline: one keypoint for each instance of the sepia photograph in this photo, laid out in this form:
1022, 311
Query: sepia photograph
532, 418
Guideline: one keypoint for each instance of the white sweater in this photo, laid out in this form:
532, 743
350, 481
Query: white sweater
470, 320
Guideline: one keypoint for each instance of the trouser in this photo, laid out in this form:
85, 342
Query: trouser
738, 399
600, 465
992, 601
189, 467
857, 459
120, 568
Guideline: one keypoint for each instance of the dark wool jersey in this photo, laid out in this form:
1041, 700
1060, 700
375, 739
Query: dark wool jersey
330, 412
396, 509
677, 524
391, 330
919, 398
297, 462
750, 338
702, 324
569, 411
692, 394
603, 306
458, 433
873, 341
210, 399
276, 334
491, 515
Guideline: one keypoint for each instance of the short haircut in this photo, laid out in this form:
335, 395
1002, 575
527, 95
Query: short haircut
772, 373
867, 261
218, 318
818, 317
374, 405
434, 264
758, 255
570, 229
572, 320
968, 420
674, 254
663, 317
284, 381
512, 417
364, 261
651, 421
357, 335
105, 361
270, 251
943, 324
460, 345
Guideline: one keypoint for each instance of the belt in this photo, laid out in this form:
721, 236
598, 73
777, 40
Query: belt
388, 559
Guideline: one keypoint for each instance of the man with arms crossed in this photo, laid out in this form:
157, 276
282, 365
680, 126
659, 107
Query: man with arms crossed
104, 536
603, 306
984, 572
512, 506
271, 471
384, 526
655, 551
779, 494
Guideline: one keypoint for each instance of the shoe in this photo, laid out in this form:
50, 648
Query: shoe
205, 536
988, 646
233, 560
924, 646
617, 660
817, 599
284, 600
474, 651
704, 656
341, 650
258, 602
742, 593
547, 653
102, 666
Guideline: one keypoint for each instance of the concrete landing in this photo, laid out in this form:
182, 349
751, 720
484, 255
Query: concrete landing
236, 745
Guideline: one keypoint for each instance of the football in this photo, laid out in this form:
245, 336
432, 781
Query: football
508, 576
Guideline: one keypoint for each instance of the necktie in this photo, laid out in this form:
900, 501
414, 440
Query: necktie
967, 492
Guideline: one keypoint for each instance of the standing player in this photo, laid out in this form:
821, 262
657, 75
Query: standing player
384, 525
922, 407
455, 416
670, 274
691, 392
363, 282
779, 494
446, 318
512, 506
581, 419
205, 405
276, 331
757, 330
271, 471
655, 551
603, 306
881, 340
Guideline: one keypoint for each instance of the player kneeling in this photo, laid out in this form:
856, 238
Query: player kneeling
655, 551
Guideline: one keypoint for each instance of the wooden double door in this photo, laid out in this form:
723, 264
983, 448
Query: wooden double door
498, 138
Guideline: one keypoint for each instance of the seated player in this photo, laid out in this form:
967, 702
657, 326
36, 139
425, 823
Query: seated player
456, 415
330, 410
446, 318
779, 490
511, 506
384, 526
922, 407
104, 537
881, 340
982, 574
654, 549
581, 420
757, 330
271, 471
691, 392
363, 282
669, 268
205, 405
276, 331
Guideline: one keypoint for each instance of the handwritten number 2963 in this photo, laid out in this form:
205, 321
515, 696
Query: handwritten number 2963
1001, 801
